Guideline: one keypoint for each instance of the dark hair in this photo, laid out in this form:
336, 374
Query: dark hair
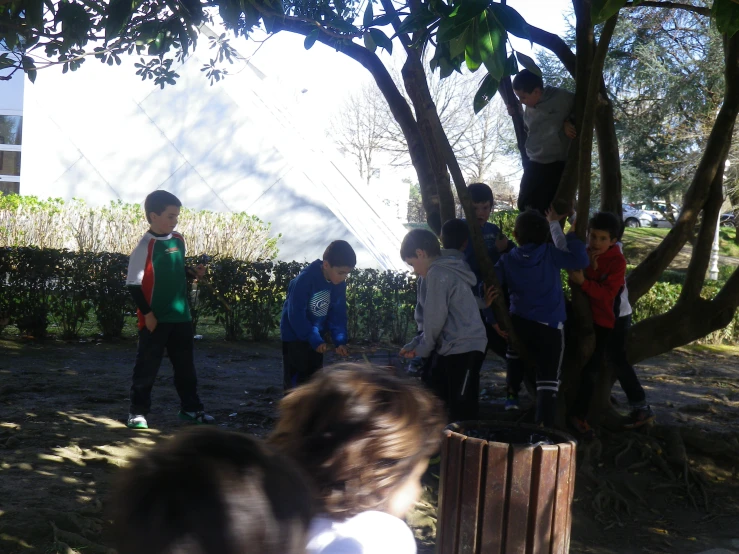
531, 228
419, 239
480, 192
158, 201
359, 431
340, 254
606, 221
210, 491
526, 81
454, 233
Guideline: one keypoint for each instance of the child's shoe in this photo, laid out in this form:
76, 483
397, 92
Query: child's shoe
582, 428
137, 421
640, 417
511, 402
199, 418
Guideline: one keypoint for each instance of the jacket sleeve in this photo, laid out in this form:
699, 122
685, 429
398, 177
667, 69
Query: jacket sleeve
138, 297
436, 310
575, 257
558, 236
297, 313
607, 289
336, 318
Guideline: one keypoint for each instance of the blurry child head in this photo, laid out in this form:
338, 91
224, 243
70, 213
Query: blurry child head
339, 259
419, 249
604, 229
482, 201
162, 210
529, 87
209, 491
363, 435
455, 234
531, 228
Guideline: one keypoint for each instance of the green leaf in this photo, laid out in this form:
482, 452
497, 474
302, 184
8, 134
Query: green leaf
604, 9
29, 67
511, 66
368, 15
472, 55
35, 13
369, 42
726, 13
416, 22
457, 45
383, 19
117, 16
485, 93
381, 40
451, 28
491, 40
511, 20
310, 40
528, 63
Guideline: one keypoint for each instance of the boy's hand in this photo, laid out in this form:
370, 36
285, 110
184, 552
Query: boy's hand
500, 331
569, 129
409, 354
491, 293
577, 277
552, 215
501, 242
321, 348
150, 321
342, 351
199, 271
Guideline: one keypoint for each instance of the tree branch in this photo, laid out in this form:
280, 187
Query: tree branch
671, 6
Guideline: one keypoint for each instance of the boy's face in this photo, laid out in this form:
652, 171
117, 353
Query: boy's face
165, 222
420, 263
529, 99
482, 211
336, 275
599, 241
406, 496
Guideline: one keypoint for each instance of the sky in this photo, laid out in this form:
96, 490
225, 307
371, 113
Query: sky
319, 80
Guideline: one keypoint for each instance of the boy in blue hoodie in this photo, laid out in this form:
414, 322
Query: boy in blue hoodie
316, 301
531, 274
449, 323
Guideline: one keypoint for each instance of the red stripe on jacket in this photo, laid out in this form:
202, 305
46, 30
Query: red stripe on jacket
604, 284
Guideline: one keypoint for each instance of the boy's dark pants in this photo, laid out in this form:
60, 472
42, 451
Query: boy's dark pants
546, 345
539, 185
299, 362
589, 374
177, 338
616, 352
455, 379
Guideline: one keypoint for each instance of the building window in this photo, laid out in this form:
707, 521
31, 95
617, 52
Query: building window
11, 138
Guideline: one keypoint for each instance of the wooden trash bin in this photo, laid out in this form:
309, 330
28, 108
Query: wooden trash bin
505, 488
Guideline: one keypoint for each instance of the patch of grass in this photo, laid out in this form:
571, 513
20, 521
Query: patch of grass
634, 233
726, 244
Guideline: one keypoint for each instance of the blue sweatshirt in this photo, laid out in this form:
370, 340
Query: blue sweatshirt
531, 274
312, 305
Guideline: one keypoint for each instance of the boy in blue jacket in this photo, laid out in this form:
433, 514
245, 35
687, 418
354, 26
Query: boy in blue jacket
496, 243
531, 274
316, 301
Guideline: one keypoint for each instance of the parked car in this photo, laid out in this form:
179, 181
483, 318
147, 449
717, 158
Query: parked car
636, 218
728, 220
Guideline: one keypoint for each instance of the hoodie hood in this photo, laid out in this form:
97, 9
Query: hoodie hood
528, 255
452, 263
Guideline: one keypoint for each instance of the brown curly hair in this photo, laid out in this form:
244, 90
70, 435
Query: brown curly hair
358, 431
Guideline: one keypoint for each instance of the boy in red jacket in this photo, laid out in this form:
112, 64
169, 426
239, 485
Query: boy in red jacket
602, 281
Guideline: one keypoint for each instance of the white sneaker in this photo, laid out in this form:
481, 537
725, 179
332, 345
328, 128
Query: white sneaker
137, 422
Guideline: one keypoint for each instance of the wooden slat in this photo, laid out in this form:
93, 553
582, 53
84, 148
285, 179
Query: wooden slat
560, 538
443, 472
519, 499
543, 494
474, 450
494, 505
570, 496
449, 516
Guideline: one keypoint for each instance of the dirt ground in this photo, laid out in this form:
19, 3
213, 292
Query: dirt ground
63, 438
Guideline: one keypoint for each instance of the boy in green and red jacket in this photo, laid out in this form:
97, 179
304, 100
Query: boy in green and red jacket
602, 281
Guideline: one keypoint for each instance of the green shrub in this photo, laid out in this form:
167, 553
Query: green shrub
111, 302
28, 287
70, 291
506, 220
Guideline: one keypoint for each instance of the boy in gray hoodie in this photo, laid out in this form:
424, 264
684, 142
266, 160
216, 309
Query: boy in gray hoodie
548, 121
449, 324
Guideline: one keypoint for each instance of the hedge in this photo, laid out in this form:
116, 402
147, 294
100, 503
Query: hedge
40, 286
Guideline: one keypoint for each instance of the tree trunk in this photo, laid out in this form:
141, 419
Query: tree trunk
505, 89
610, 163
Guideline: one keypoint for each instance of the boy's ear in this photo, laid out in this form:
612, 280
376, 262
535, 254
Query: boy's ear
420, 254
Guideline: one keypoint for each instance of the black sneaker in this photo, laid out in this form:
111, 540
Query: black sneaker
639, 417
199, 418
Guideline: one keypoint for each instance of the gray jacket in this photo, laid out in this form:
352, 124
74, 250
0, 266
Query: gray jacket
547, 141
447, 313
